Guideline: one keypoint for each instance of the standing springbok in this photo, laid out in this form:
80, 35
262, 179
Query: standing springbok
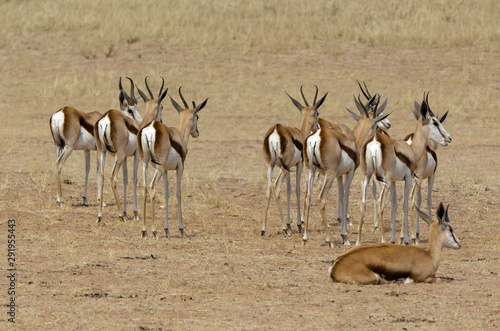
394, 160
166, 148
283, 146
74, 130
382, 263
426, 168
333, 150
117, 134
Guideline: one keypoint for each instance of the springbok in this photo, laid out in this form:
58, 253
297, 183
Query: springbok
74, 130
382, 263
166, 148
394, 160
117, 134
333, 150
426, 169
283, 146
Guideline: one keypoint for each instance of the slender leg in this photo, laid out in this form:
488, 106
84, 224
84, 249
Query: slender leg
87, 170
408, 183
101, 157
298, 174
125, 183
98, 176
114, 179
329, 178
166, 193
385, 186
374, 193
366, 182
394, 210
134, 184
348, 180
269, 193
63, 156
179, 199
287, 227
145, 164
152, 194
307, 207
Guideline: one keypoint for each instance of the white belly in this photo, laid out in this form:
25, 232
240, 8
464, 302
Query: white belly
173, 160
85, 141
131, 145
431, 165
346, 164
400, 171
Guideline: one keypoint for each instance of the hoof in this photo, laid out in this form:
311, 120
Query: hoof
358, 242
304, 242
167, 233
143, 234
84, 202
154, 233
262, 232
122, 218
300, 229
136, 216
328, 242
344, 240
183, 234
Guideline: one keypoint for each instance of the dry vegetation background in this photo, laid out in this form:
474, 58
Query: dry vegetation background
243, 55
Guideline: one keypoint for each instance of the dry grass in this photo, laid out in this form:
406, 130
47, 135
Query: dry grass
243, 55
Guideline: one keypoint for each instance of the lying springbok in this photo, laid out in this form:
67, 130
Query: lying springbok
74, 130
283, 146
116, 133
333, 150
382, 263
166, 148
426, 169
394, 160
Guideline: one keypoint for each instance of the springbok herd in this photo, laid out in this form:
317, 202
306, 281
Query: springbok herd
333, 151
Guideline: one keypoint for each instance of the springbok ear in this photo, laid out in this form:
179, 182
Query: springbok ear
200, 106
381, 108
143, 96
320, 102
121, 98
161, 97
176, 105
441, 120
424, 216
379, 118
295, 102
355, 116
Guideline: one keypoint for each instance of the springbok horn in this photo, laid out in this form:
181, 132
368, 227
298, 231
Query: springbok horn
316, 95
147, 87
303, 97
183, 100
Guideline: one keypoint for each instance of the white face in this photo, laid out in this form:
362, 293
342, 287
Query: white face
452, 241
438, 132
194, 132
385, 124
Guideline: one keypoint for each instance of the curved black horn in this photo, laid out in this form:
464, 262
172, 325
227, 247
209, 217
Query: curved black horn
147, 87
162, 84
131, 89
183, 100
316, 95
303, 97
366, 93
